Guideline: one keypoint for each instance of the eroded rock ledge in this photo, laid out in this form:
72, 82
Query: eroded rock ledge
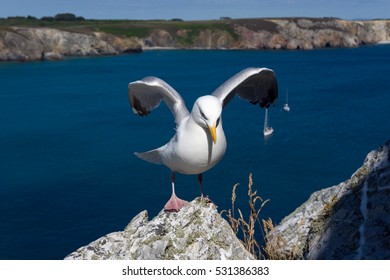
196, 232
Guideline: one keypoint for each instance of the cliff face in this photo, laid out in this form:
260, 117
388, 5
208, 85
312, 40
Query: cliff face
293, 33
196, 232
24, 44
21, 43
347, 221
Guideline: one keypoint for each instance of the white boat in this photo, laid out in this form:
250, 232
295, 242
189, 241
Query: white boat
285, 106
267, 129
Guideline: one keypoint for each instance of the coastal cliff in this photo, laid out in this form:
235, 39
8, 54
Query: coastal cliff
348, 221
310, 33
289, 34
23, 43
26, 44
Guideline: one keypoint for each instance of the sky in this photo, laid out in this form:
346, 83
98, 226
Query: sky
198, 9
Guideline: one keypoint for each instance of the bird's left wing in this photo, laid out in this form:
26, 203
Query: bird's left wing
146, 94
256, 85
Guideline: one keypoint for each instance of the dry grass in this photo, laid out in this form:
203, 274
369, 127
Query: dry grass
276, 247
246, 227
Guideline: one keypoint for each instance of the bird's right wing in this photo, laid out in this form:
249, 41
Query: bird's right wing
256, 85
146, 94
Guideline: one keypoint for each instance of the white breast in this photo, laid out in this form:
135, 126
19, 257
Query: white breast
191, 150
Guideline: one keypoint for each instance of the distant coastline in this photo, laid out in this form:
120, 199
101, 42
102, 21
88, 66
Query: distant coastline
30, 39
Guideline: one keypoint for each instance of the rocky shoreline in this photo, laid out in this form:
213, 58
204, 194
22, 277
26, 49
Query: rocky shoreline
32, 44
42, 43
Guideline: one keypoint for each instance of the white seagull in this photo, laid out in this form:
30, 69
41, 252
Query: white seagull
199, 142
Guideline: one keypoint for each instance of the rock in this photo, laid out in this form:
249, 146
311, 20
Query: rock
20, 43
26, 44
196, 232
347, 221
52, 56
292, 33
15, 46
159, 38
120, 44
213, 39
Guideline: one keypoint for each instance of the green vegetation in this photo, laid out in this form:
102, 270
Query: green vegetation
127, 28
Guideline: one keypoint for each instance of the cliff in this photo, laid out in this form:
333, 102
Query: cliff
25, 44
289, 33
196, 232
37, 43
347, 221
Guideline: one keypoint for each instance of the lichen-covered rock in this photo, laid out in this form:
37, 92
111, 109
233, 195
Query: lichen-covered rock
347, 221
196, 232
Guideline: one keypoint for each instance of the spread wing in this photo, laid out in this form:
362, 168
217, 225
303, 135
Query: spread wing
256, 85
146, 94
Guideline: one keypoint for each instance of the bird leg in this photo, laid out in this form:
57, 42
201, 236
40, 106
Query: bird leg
200, 178
174, 204
205, 198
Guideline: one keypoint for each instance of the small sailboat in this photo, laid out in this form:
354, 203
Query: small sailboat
267, 129
285, 106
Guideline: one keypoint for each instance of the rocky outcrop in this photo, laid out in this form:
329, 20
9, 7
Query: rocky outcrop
24, 44
347, 221
196, 232
289, 33
304, 33
120, 44
185, 39
309, 33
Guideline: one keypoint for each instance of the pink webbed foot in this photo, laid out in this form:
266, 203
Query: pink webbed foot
174, 204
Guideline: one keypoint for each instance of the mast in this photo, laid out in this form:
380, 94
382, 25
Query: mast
285, 106
286, 96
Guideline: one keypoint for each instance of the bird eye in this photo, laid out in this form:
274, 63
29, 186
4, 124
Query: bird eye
203, 115
218, 122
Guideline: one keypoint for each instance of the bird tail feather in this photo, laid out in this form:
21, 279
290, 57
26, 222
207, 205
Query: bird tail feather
152, 156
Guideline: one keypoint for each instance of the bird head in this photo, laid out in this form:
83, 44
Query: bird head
207, 113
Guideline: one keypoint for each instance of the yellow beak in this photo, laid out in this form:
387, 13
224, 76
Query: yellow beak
213, 132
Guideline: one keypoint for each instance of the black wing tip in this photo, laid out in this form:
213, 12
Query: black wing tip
270, 100
271, 96
137, 107
273, 92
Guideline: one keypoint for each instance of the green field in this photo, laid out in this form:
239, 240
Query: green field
127, 28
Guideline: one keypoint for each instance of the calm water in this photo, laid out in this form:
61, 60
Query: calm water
67, 136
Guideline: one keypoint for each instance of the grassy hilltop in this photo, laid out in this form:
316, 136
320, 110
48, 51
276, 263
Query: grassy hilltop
128, 28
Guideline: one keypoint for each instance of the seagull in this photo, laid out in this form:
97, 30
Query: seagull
199, 142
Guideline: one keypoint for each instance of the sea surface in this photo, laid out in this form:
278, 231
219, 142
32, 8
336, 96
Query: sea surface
67, 136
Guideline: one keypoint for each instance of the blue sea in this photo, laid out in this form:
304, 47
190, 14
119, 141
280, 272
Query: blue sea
67, 136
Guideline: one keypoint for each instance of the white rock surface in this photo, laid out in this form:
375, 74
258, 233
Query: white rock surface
196, 232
